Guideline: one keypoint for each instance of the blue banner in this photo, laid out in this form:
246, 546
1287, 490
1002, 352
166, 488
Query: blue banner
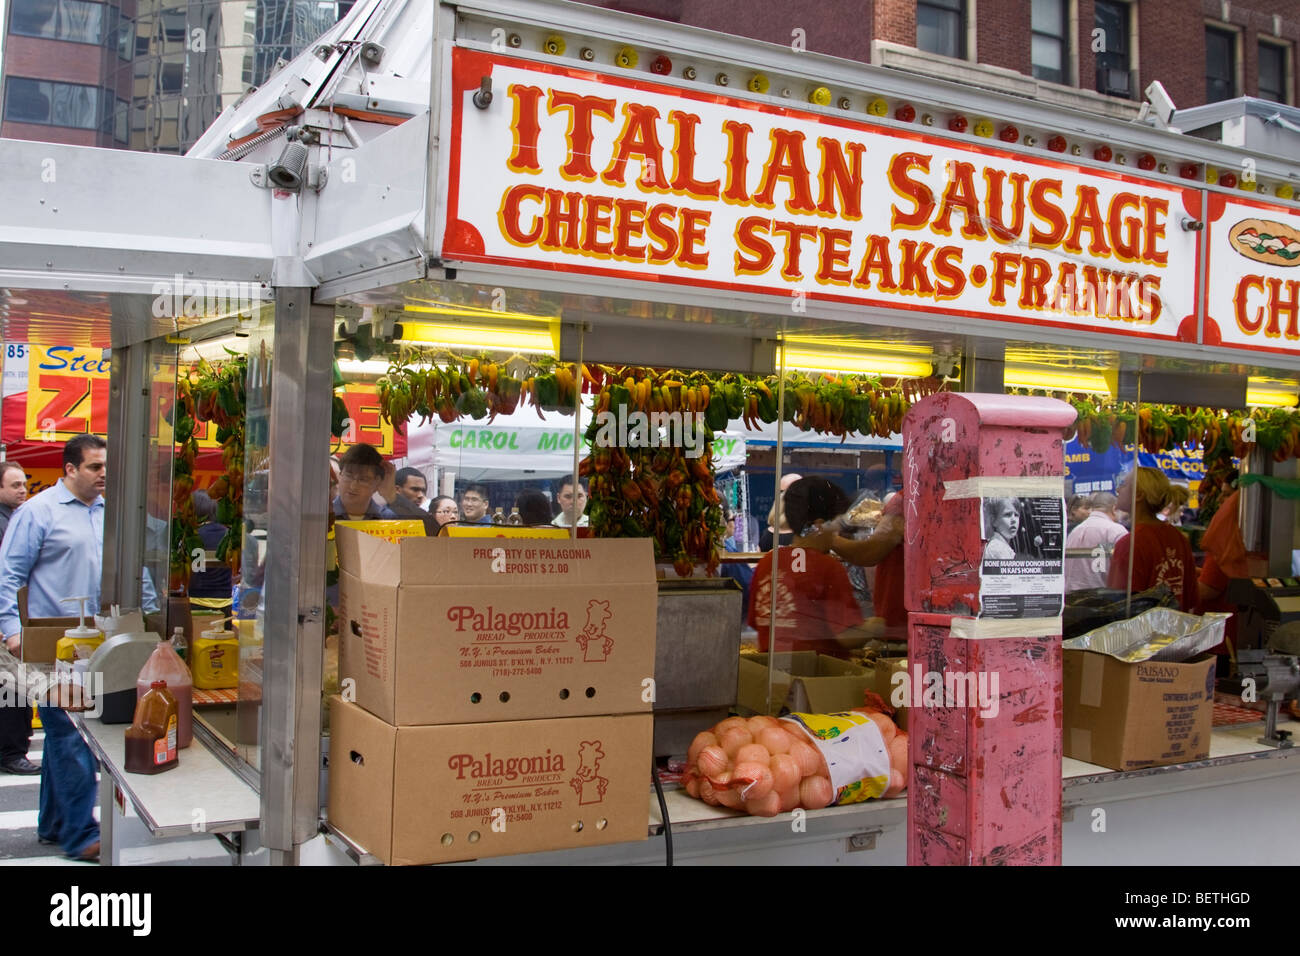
1090, 471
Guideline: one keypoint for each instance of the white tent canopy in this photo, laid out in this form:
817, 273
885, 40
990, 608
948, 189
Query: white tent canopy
521, 446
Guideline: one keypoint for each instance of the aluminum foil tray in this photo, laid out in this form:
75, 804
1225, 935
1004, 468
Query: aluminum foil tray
1161, 634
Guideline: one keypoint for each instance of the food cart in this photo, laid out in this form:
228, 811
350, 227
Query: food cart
640, 193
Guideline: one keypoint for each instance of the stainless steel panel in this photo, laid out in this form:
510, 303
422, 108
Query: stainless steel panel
294, 594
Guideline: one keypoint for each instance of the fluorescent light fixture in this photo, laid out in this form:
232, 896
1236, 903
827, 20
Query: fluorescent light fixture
358, 367
493, 338
1056, 379
859, 362
1272, 392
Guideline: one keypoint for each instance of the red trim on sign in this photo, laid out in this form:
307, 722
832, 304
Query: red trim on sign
1215, 203
467, 69
1212, 334
1187, 329
1192, 202
463, 237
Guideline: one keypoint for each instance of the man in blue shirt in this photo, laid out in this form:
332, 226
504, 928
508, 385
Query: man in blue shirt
54, 546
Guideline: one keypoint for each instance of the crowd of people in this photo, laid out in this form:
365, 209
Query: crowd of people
1156, 551
364, 486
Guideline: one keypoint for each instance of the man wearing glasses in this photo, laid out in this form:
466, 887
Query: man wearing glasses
361, 471
474, 505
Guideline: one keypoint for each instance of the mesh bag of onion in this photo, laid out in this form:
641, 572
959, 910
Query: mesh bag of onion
766, 766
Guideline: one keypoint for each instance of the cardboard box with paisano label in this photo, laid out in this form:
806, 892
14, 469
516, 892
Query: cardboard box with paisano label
440, 630
1129, 716
414, 795
803, 681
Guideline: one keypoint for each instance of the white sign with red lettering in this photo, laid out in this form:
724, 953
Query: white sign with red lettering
1253, 291
574, 171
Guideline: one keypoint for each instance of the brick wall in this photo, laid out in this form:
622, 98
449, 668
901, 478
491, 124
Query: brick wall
55, 60
1002, 34
1170, 33
54, 134
1171, 49
895, 21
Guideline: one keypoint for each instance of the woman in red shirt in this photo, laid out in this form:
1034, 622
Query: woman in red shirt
1161, 554
815, 606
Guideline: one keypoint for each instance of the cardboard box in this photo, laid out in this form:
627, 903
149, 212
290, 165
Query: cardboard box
440, 630
413, 795
41, 635
804, 681
882, 675
1129, 716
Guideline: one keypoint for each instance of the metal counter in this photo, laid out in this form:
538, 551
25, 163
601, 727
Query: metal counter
1237, 806
201, 795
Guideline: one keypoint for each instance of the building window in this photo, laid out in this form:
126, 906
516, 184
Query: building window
1272, 73
1049, 40
1220, 65
941, 27
1114, 60
74, 20
52, 104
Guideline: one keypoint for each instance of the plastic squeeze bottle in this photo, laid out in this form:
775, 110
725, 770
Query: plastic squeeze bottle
152, 737
164, 664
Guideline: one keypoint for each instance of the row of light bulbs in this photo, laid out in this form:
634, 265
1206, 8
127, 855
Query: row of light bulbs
627, 58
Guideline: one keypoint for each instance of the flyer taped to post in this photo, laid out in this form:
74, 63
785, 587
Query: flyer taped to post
1022, 568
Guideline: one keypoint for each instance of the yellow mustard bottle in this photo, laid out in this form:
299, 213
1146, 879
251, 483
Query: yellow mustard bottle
214, 660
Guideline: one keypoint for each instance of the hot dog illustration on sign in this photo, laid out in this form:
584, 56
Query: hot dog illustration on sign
589, 785
593, 640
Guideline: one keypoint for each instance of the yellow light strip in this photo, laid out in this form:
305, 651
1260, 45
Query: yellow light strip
481, 337
1257, 396
1056, 380
859, 362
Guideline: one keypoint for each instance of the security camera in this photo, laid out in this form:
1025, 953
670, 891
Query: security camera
1161, 102
287, 171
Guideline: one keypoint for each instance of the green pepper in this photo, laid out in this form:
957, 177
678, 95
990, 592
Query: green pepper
715, 416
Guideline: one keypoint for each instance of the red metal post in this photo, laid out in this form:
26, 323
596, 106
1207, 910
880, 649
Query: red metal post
984, 682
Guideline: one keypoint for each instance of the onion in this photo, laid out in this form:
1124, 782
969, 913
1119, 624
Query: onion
708, 794
765, 806
776, 740
693, 787
753, 753
756, 725
712, 761
728, 724
816, 792
789, 798
785, 773
734, 739
754, 780
898, 758
809, 759
897, 784
702, 740
730, 799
